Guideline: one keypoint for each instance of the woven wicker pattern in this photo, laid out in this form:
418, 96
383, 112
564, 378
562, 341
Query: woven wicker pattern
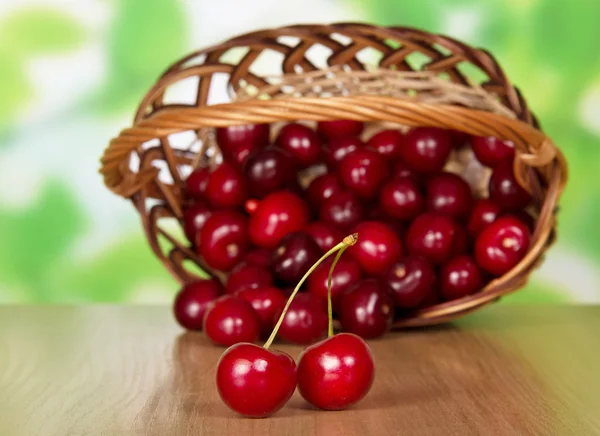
367, 73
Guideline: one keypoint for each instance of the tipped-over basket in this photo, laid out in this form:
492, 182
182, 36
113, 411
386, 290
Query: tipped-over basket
380, 75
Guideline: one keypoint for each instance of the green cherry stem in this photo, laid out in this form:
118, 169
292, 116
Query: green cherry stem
329, 280
347, 242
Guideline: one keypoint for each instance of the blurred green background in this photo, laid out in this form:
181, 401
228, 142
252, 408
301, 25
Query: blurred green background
72, 74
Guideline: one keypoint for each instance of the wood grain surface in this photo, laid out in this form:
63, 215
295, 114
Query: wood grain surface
117, 370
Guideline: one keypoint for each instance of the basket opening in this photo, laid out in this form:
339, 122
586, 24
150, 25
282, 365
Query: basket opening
317, 55
267, 63
183, 91
217, 93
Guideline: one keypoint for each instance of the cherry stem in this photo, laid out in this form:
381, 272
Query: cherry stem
347, 242
329, 280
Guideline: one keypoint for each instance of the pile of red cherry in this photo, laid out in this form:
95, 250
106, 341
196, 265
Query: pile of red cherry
423, 237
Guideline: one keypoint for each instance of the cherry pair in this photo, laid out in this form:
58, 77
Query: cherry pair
332, 374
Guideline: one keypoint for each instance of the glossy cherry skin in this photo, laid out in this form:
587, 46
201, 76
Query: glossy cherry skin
387, 143
195, 184
338, 148
268, 170
301, 142
501, 245
267, 302
410, 279
246, 275
491, 151
326, 235
346, 273
192, 301
226, 187
483, 213
432, 236
322, 188
426, 149
294, 255
277, 215
305, 321
460, 277
230, 320
194, 218
401, 198
448, 194
366, 310
224, 239
364, 171
343, 210
259, 257
255, 382
505, 190
237, 142
337, 372
377, 248
337, 128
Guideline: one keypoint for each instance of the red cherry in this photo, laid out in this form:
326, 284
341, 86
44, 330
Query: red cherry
336, 373
267, 302
195, 184
337, 128
401, 170
305, 321
293, 257
400, 198
483, 213
301, 142
432, 236
431, 299
251, 205
364, 171
387, 143
193, 300
226, 187
338, 148
505, 190
462, 241
224, 239
259, 257
492, 151
194, 218
426, 149
246, 275
377, 248
346, 273
448, 194
268, 170
460, 277
237, 142
501, 245
342, 210
255, 382
322, 188
277, 215
411, 280
230, 320
366, 310
326, 235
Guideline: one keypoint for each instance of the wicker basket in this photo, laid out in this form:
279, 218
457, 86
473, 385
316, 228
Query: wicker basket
380, 75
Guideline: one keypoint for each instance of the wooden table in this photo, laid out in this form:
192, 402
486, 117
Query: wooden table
117, 370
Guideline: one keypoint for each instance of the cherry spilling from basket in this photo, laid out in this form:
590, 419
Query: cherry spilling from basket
278, 200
